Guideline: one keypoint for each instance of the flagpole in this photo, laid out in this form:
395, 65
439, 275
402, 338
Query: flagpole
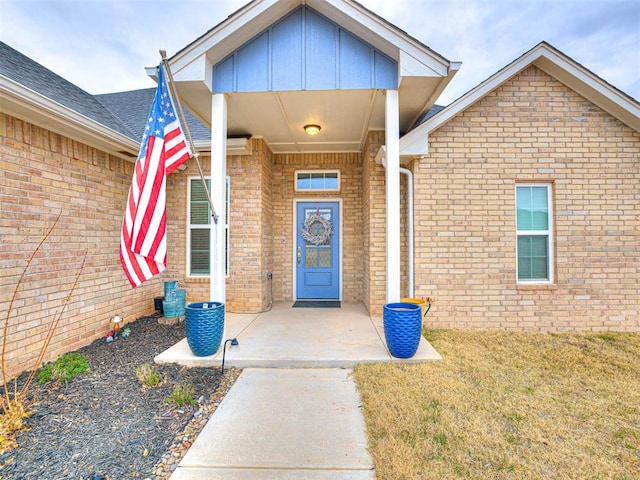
194, 154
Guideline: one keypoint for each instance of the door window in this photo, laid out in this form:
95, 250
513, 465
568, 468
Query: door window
318, 254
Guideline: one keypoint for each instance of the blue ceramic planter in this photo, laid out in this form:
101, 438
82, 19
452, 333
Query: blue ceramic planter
204, 323
402, 328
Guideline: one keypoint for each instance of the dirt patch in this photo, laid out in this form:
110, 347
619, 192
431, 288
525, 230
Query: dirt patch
103, 422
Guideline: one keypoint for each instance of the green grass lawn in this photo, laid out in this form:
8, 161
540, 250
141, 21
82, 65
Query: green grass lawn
505, 405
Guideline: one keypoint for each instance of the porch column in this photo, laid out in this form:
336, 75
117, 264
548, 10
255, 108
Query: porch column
392, 180
218, 190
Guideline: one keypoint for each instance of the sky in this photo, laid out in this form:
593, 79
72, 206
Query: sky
102, 46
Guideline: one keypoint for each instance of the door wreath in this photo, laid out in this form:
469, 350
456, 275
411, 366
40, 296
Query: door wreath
319, 235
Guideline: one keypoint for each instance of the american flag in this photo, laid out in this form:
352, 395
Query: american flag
143, 243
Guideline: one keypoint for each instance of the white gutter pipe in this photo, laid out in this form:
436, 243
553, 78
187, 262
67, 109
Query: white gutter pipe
409, 175
381, 159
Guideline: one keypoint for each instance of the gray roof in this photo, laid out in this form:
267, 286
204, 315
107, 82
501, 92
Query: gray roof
427, 115
124, 112
21, 69
133, 107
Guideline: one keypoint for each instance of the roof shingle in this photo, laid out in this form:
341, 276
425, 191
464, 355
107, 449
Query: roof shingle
133, 107
23, 70
123, 112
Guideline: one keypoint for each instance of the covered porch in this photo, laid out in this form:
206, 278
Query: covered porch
286, 337
310, 88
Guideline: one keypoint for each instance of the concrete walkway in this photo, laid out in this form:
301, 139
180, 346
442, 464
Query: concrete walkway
281, 424
294, 412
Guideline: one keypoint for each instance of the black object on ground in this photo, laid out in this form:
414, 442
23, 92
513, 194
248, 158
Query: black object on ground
316, 304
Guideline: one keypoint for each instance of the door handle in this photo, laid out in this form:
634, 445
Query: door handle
299, 255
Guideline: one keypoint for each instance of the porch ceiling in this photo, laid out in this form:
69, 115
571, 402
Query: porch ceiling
279, 117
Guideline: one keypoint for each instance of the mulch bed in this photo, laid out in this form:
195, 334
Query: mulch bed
103, 423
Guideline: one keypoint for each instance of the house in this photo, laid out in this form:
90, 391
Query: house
515, 207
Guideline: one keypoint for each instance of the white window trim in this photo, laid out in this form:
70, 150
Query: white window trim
549, 233
207, 226
298, 172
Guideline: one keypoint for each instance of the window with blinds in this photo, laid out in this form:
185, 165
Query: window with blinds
199, 230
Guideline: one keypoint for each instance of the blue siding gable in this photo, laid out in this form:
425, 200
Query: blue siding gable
305, 51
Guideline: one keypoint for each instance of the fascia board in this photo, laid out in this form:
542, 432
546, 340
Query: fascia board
199, 70
152, 73
15, 99
414, 146
409, 66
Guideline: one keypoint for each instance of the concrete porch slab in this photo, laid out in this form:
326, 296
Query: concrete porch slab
284, 424
287, 337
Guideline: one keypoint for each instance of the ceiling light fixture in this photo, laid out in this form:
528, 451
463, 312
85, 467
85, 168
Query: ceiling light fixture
312, 130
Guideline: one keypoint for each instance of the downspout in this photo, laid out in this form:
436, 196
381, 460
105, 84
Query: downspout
381, 159
409, 175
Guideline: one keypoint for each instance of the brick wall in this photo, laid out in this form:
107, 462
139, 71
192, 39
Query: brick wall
43, 174
268, 236
404, 236
250, 212
374, 230
531, 128
246, 215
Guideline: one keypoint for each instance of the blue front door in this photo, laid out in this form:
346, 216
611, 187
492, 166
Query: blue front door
318, 250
